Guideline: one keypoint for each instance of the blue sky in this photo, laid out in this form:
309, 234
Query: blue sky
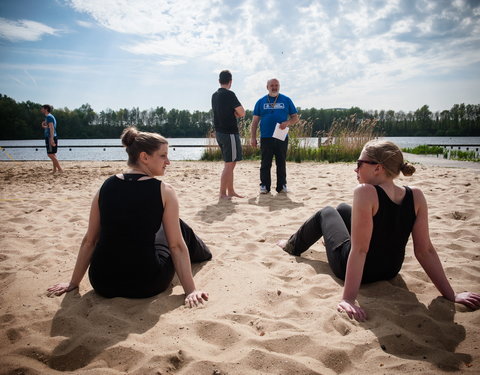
374, 54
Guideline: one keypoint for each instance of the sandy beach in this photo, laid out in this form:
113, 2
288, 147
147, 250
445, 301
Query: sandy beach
269, 312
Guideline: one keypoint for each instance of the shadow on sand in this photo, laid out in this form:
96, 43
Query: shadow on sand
217, 212
404, 326
93, 325
275, 202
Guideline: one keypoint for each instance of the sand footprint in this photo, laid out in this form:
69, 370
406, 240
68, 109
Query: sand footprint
218, 334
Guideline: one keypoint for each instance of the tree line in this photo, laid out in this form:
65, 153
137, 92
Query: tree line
21, 120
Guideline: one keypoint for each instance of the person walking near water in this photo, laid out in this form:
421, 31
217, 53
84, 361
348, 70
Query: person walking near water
49, 126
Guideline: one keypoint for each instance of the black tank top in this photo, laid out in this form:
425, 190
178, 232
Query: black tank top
130, 215
392, 225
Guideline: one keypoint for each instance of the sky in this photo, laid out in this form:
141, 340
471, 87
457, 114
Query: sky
372, 54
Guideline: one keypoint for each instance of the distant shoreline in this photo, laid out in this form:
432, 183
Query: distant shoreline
434, 161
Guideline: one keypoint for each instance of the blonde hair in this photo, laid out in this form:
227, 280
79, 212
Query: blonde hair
389, 155
136, 142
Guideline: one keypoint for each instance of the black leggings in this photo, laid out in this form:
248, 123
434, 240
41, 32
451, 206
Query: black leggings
197, 249
334, 225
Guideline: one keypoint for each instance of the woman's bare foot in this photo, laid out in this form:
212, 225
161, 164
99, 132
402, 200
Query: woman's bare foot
287, 247
282, 243
223, 196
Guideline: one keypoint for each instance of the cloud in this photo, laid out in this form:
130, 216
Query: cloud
24, 30
323, 47
171, 62
85, 24
30, 77
145, 17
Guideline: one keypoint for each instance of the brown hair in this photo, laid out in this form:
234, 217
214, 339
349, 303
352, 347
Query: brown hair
48, 107
390, 156
136, 142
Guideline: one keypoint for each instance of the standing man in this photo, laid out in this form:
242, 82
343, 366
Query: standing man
226, 110
49, 126
272, 109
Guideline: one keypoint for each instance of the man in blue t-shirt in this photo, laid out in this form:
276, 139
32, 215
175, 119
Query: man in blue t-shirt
226, 109
273, 108
49, 126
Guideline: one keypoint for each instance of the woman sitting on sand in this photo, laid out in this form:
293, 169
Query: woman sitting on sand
366, 243
135, 241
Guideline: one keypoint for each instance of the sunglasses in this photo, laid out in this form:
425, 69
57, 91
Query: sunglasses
360, 162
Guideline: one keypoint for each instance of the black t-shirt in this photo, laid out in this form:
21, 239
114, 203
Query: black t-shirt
224, 102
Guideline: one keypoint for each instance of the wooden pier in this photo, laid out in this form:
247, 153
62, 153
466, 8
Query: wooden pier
458, 146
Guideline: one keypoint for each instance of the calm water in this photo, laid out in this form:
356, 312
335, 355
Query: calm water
36, 151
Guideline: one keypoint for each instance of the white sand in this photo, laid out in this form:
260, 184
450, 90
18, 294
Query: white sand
269, 313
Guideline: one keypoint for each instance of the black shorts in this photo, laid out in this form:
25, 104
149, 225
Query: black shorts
230, 146
51, 149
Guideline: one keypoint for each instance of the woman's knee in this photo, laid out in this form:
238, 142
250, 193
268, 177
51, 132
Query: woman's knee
320, 214
326, 211
344, 208
345, 212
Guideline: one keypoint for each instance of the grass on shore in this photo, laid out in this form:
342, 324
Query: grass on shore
447, 154
424, 150
461, 155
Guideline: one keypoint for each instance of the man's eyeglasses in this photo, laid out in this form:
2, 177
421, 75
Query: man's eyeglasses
360, 162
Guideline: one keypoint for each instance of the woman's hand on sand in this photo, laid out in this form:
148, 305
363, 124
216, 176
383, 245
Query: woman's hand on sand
195, 298
468, 299
59, 289
353, 311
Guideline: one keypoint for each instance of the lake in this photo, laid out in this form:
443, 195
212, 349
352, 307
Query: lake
71, 149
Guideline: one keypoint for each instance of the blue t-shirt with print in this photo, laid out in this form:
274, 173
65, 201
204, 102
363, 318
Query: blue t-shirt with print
272, 110
48, 119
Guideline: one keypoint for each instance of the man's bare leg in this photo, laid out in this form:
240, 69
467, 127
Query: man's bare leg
56, 164
226, 182
227, 170
230, 190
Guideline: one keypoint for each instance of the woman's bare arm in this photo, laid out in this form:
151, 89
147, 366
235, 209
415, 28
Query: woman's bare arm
428, 258
362, 227
178, 248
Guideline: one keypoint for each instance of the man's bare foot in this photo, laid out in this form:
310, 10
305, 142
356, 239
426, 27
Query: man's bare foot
224, 196
235, 195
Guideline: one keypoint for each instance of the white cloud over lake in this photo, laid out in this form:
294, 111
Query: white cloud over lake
397, 54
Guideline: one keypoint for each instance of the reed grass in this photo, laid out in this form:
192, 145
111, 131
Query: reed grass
344, 141
212, 153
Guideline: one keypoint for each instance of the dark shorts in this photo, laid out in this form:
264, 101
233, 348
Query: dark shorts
51, 149
230, 145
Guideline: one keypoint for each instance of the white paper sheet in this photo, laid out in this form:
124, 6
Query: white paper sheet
280, 133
